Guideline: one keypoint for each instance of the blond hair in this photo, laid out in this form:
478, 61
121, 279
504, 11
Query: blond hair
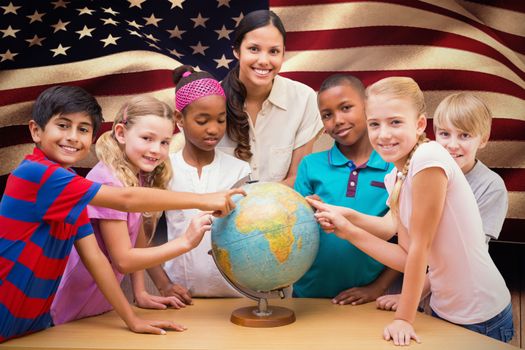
111, 152
466, 112
404, 88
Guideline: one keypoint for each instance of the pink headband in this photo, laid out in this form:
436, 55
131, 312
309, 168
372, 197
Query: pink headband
195, 90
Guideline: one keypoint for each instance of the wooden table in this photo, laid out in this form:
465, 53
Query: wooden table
319, 325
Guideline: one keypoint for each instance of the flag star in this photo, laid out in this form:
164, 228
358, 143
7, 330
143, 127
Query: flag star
199, 48
238, 19
199, 21
153, 45
9, 31
197, 69
85, 11
109, 21
36, 17
176, 53
223, 62
151, 37
60, 26
10, 8
60, 3
137, 3
134, 24
8, 55
224, 33
176, 3
152, 20
176, 32
134, 32
85, 32
35, 41
60, 50
110, 40
223, 3
110, 11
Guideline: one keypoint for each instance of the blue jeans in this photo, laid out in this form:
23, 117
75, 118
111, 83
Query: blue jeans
499, 327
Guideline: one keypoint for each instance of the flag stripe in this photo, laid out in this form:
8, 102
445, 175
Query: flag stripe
513, 178
120, 84
512, 41
518, 6
448, 79
393, 35
516, 209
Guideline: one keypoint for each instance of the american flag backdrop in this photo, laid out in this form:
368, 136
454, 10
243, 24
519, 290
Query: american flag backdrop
119, 48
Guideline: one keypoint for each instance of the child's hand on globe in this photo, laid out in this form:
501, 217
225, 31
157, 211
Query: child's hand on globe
331, 219
198, 226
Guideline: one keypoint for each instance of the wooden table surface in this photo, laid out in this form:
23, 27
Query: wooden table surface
319, 325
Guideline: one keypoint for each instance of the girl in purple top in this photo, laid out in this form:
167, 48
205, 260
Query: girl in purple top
134, 153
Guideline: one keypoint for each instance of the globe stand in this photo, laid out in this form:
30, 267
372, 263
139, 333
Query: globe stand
260, 316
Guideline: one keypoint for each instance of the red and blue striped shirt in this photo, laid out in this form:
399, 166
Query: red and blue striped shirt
42, 213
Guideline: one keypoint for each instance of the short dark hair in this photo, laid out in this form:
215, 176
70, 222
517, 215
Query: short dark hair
65, 99
339, 79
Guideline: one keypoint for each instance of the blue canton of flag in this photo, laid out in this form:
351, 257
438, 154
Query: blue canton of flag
198, 33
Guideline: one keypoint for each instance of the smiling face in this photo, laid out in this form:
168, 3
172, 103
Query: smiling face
394, 127
343, 114
204, 122
461, 145
260, 55
146, 142
66, 138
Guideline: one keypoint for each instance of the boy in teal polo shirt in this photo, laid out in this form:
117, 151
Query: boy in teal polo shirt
350, 174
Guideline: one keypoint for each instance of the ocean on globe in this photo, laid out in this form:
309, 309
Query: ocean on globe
269, 241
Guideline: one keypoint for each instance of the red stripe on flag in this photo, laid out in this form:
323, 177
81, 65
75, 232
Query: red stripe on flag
392, 35
449, 79
107, 85
19, 304
14, 135
513, 178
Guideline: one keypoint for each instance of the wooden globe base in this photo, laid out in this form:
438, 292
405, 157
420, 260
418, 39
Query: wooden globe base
245, 316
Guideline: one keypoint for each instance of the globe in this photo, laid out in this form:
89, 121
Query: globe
268, 241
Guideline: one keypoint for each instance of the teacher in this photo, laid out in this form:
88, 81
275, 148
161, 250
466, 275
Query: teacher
272, 121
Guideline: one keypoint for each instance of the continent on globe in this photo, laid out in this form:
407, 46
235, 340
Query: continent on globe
269, 241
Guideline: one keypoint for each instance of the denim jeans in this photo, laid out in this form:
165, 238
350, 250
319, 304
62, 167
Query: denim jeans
499, 327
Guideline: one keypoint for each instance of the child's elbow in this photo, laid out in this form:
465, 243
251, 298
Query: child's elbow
126, 199
123, 266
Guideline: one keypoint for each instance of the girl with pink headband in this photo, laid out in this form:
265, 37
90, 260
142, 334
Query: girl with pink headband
199, 167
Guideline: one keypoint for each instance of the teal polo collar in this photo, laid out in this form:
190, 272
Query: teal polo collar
337, 158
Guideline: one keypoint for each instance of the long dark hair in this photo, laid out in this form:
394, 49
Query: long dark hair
238, 127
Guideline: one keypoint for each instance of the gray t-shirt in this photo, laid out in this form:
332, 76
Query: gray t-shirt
491, 196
